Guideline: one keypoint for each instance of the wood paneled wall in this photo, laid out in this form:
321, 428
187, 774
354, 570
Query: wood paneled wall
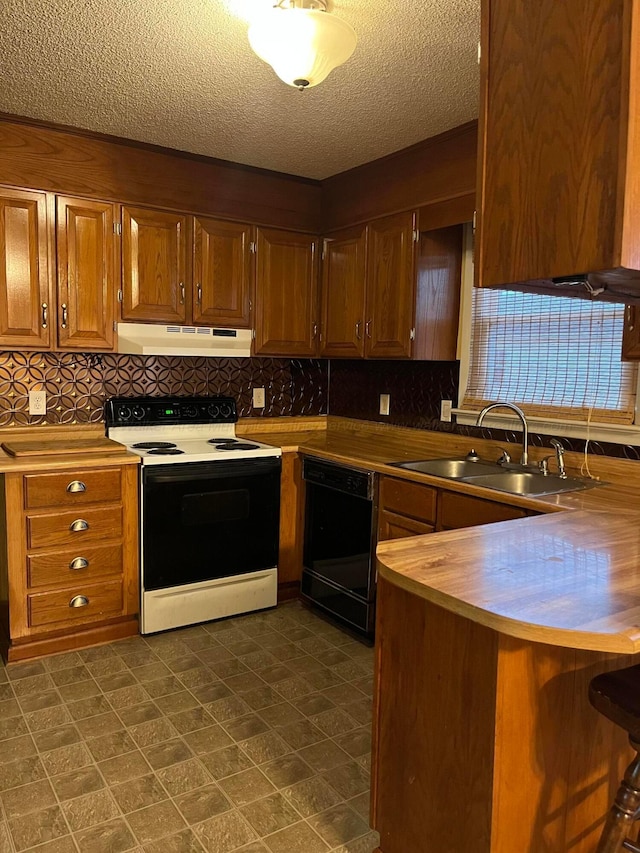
436, 170
93, 165
439, 173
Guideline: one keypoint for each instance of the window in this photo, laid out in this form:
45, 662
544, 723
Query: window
557, 357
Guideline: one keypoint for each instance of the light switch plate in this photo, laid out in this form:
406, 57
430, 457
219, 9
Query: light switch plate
445, 410
385, 402
258, 398
37, 402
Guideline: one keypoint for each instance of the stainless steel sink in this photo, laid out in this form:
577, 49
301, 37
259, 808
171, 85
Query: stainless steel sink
452, 469
490, 475
528, 483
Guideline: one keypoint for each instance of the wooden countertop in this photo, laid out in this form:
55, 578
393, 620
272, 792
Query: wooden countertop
56, 461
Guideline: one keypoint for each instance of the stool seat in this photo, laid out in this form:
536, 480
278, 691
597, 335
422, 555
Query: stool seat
616, 695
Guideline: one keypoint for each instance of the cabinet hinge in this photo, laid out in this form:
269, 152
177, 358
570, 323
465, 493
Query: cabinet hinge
416, 235
252, 247
479, 52
323, 253
120, 295
412, 334
117, 228
475, 213
115, 326
253, 334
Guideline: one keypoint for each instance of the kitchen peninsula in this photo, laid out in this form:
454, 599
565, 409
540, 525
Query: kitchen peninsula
487, 640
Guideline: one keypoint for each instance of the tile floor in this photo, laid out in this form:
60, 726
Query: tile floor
250, 734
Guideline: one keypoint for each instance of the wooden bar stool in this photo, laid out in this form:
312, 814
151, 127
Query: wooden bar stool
616, 695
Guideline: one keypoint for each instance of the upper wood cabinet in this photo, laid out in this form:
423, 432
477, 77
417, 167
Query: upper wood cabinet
58, 275
343, 294
386, 295
631, 333
154, 265
286, 293
86, 254
559, 160
185, 269
221, 273
26, 311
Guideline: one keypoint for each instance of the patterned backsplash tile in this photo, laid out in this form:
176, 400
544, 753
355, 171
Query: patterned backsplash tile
78, 384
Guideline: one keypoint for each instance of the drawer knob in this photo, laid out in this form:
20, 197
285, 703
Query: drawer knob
76, 486
78, 524
79, 601
79, 563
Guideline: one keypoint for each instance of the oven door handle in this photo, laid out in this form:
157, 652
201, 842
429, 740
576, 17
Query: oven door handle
194, 471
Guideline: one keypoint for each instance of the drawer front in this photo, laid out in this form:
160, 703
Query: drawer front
394, 526
73, 488
74, 526
463, 511
77, 566
54, 608
407, 498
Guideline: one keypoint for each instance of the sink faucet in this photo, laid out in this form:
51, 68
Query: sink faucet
524, 459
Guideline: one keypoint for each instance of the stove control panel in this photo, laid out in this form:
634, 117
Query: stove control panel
152, 411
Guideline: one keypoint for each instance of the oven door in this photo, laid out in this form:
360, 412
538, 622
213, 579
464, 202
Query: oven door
208, 520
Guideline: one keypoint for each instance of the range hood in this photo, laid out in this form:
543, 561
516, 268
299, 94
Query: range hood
150, 339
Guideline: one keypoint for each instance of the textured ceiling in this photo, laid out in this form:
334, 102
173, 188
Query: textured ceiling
182, 75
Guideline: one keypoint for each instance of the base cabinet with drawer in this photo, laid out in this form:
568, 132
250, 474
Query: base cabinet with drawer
68, 558
407, 508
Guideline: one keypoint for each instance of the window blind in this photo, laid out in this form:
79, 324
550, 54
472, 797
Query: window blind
554, 356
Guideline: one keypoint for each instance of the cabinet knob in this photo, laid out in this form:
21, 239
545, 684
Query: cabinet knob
182, 293
199, 294
314, 331
76, 486
78, 525
64, 315
78, 563
45, 314
79, 601
358, 332
367, 328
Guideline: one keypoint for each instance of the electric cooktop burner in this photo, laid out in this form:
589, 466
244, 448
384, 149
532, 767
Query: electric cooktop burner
153, 445
232, 444
165, 451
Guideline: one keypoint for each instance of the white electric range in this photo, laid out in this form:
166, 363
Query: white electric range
209, 509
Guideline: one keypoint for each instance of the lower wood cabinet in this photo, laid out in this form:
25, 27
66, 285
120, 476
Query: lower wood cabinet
407, 508
68, 558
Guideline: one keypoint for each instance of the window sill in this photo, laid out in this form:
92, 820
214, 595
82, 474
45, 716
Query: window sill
615, 433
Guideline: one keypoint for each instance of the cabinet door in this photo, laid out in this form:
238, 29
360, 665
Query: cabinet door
558, 155
343, 294
25, 288
390, 287
221, 273
154, 265
86, 247
286, 294
631, 333
457, 511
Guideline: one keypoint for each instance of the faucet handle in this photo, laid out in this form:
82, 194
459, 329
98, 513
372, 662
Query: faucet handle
472, 455
543, 464
504, 458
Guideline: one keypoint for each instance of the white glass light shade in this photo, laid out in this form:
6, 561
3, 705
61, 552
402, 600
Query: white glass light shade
302, 46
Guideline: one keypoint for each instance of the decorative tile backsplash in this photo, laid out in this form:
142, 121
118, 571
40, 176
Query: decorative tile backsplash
78, 384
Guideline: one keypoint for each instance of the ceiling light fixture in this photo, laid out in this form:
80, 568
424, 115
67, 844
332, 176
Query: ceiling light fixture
301, 41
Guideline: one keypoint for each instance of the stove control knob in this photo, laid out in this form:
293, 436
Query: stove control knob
138, 412
213, 409
123, 413
190, 411
225, 410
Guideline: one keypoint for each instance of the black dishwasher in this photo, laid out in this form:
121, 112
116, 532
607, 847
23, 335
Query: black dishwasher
338, 572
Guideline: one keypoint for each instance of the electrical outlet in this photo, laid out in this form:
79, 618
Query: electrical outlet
258, 398
445, 410
37, 402
385, 402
